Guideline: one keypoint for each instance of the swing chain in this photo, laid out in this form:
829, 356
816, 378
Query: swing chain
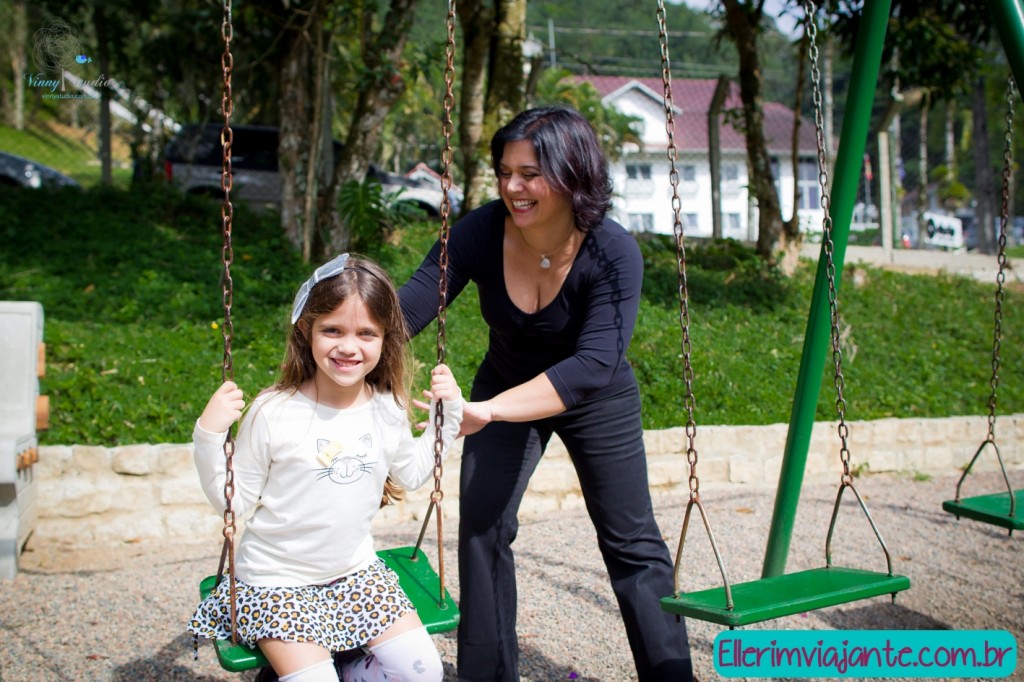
828, 246
227, 289
442, 287
677, 228
1004, 219
442, 283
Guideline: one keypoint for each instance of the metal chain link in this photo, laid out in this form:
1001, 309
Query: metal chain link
677, 227
1004, 220
827, 243
442, 284
684, 323
227, 296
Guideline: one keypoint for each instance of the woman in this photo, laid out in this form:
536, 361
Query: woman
559, 287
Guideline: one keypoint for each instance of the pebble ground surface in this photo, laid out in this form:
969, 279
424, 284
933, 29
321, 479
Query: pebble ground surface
118, 614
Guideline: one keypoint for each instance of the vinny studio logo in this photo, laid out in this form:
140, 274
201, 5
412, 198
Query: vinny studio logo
58, 49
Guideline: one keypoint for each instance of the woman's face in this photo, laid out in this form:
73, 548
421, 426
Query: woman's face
529, 198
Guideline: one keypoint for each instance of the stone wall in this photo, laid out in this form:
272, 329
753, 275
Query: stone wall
93, 496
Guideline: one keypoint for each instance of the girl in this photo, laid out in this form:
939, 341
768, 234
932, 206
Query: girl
314, 455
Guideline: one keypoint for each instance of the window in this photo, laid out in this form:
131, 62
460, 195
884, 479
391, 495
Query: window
810, 191
732, 223
730, 173
641, 222
688, 173
638, 171
690, 221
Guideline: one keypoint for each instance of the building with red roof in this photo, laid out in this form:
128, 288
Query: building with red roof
642, 173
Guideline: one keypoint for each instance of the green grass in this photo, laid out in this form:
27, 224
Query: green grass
130, 286
68, 150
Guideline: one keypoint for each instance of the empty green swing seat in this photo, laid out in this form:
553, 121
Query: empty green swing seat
417, 578
993, 509
784, 595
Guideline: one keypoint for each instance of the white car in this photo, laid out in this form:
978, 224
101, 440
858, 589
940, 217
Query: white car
194, 156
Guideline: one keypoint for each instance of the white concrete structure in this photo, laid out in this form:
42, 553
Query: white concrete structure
641, 174
22, 412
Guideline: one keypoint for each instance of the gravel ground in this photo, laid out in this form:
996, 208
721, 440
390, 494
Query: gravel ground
119, 613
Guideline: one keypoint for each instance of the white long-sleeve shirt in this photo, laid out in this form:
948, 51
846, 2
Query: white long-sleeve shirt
313, 476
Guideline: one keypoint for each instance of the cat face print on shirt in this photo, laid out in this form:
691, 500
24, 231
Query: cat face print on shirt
347, 462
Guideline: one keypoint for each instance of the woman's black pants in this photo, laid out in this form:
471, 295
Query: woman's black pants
604, 439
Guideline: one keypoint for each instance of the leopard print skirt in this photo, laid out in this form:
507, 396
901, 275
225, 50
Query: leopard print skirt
345, 614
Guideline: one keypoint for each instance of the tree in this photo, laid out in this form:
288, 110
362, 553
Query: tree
16, 17
744, 23
493, 85
942, 46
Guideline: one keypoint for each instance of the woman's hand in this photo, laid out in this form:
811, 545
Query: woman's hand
475, 416
224, 409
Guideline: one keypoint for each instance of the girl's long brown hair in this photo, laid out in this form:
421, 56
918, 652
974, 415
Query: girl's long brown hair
366, 280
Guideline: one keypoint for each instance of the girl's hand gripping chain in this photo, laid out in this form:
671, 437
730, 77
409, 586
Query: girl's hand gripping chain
224, 409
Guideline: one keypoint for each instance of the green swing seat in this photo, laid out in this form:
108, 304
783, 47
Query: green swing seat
784, 595
992, 509
417, 578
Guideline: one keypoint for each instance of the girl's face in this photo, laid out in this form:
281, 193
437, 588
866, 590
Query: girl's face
346, 345
529, 198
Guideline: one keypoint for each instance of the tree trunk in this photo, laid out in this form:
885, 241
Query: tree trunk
985, 192
791, 228
791, 237
378, 92
922, 160
103, 54
506, 81
743, 22
293, 145
827, 88
16, 50
950, 140
316, 125
477, 21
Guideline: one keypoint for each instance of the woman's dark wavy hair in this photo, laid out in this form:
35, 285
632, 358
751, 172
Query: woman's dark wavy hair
569, 155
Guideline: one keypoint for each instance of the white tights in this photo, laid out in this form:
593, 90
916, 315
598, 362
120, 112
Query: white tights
319, 672
410, 657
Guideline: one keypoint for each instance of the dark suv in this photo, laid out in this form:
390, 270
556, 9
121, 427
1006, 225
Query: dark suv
193, 158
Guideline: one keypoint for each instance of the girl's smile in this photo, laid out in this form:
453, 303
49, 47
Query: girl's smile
346, 345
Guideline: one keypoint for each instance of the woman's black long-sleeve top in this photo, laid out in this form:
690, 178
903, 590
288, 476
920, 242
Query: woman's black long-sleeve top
579, 339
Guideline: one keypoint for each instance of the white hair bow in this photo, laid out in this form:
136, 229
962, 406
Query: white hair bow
325, 271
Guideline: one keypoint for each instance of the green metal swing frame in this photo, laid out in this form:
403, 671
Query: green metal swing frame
778, 594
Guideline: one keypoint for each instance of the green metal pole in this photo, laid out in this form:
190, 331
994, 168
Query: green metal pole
1009, 21
849, 159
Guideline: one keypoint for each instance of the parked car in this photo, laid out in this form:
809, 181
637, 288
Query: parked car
193, 160
17, 171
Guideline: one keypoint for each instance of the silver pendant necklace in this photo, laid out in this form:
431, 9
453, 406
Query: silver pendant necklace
545, 260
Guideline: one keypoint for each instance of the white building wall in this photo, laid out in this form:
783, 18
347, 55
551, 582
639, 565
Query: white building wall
645, 204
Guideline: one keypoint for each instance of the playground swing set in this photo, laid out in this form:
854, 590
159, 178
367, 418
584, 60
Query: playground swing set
776, 594
997, 509
417, 578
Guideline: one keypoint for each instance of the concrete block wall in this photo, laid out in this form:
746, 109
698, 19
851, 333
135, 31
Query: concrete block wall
93, 496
